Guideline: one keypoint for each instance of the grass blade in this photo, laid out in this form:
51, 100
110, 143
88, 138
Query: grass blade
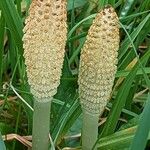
112, 2
126, 8
126, 43
13, 21
2, 30
121, 99
66, 121
141, 134
118, 140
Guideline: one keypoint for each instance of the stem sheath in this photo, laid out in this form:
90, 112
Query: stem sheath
41, 125
89, 130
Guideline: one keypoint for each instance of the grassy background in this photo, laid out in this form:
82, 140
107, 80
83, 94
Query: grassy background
125, 124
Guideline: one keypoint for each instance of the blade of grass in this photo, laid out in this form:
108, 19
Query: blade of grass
126, 43
72, 24
144, 5
78, 36
13, 21
12, 53
19, 6
126, 8
141, 135
79, 23
12, 87
124, 73
127, 18
112, 2
76, 52
17, 126
121, 97
72, 119
28, 2
128, 112
143, 34
101, 4
66, 121
26, 100
140, 64
77, 4
118, 140
2, 31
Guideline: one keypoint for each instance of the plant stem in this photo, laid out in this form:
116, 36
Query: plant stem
89, 130
41, 124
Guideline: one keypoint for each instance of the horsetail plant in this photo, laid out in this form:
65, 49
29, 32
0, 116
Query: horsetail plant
44, 46
97, 71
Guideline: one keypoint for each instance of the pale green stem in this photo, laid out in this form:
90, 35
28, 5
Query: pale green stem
89, 130
41, 124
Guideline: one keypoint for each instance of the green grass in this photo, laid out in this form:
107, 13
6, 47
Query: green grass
125, 121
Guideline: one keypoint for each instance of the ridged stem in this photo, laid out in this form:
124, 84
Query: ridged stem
41, 125
89, 130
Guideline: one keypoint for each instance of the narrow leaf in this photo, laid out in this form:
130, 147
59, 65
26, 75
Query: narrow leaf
121, 99
13, 21
141, 135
